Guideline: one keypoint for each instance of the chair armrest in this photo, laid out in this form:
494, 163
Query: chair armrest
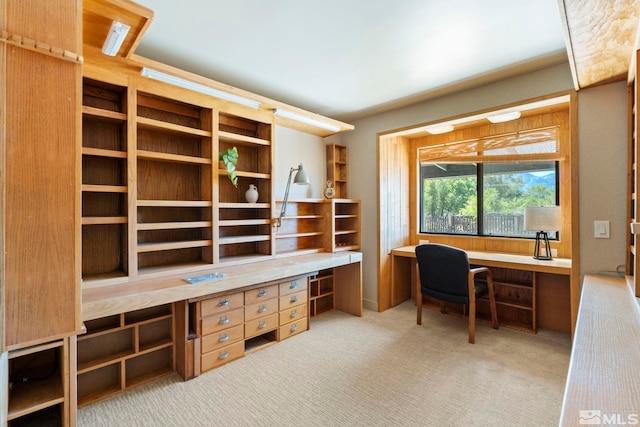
479, 270
471, 282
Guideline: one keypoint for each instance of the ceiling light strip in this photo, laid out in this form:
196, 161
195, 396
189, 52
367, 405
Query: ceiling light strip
115, 37
307, 120
197, 87
504, 117
439, 129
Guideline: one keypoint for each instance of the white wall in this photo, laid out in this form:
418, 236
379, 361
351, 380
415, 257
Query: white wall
602, 135
293, 148
362, 144
602, 160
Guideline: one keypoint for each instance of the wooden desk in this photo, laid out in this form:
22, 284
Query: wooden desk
142, 329
124, 297
552, 281
604, 372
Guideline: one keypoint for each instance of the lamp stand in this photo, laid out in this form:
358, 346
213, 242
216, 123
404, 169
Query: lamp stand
283, 211
542, 236
301, 177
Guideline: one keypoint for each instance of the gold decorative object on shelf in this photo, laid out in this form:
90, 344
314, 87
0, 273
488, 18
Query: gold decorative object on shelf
328, 190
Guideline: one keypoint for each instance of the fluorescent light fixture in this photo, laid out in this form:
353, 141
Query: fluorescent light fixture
504, 117
197, 87
304, 119
438, 129
115, 38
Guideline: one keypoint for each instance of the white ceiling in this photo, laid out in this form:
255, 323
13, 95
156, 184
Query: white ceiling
348, 58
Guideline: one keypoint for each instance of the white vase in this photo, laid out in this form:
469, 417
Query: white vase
251, 194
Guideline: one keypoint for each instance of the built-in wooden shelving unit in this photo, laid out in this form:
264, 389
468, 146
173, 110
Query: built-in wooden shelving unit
337, 169
245, 231
122, 351
318, 225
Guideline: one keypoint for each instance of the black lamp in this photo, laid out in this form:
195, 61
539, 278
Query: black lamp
542, 219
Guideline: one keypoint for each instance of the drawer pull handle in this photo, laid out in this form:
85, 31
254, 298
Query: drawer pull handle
262, 309
293, 285
223, 303
294, 328
224, 338
224, 320
262, 325
294, 299
262, 293
223, 355
294, 313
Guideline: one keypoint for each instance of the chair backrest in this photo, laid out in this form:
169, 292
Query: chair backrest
444, 272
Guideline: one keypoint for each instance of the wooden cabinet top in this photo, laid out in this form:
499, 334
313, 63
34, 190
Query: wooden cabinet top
103, 301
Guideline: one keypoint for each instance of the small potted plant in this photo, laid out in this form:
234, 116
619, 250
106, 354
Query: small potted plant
230, 158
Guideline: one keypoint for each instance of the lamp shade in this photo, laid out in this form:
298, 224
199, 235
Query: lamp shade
301, 176
542, 218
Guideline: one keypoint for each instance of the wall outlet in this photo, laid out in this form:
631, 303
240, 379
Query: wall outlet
423, 242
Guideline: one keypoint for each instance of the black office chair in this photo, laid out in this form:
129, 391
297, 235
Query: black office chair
444, 273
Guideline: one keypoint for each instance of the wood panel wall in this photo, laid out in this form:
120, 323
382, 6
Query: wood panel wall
41, 164
395, 204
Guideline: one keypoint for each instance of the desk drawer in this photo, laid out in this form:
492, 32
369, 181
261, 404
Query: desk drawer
291, 314
222, 338
259, 309
293, 286
293, 328
222, 321
261, 325
216, 305
260, 294
226, 354
292, 300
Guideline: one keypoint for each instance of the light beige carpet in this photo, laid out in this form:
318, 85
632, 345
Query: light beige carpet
378, 370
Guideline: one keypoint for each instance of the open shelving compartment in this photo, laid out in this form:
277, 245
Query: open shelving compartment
37, 383
104, 181
122, 351
346, 214
337, 169
515, 299
174, 198
322, 296
303, 228
245, 229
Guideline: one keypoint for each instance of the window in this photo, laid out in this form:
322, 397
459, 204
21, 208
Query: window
486, 199
481, 186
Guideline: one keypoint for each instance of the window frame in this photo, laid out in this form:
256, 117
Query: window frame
479, 181
559, 114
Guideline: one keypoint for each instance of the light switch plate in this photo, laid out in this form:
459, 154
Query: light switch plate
601, 229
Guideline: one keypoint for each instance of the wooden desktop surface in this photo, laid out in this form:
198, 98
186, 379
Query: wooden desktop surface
504, 260
121, 298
